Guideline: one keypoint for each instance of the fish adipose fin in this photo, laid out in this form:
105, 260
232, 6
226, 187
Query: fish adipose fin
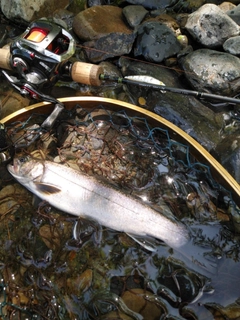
46, 188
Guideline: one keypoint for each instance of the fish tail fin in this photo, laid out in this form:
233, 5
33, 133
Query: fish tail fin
202, 259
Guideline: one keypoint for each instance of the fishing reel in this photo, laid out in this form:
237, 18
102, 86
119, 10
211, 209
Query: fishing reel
38, 55
34, 62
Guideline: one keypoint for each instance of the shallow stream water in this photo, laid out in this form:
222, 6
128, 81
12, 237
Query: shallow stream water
56, 266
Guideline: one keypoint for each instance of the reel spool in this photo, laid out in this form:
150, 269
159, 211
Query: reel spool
40, 52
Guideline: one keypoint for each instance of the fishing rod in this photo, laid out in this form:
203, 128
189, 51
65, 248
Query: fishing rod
153, 83
40, 57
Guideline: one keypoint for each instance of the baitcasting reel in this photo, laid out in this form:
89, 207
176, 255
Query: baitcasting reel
40, 57
41, 50
37, 60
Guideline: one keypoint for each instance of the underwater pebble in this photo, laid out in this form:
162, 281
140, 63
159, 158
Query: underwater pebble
135, 301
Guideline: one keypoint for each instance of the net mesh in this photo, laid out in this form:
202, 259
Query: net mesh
47, 273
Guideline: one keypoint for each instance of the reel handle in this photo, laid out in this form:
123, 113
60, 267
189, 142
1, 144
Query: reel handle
82, 72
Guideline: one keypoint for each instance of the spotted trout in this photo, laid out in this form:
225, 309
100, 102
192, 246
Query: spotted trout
85, 196
78, 194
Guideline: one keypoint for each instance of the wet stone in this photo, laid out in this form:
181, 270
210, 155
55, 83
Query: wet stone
154, 4
231, 311
188, 5
234, 14
24, 11
108, 46
137, 300
81, 283
210, 26
186, 112
115, 315
92, 23
134, 15
11, 101
228, 153
12, 197
156, 42
232, 45
227, 6
213, 71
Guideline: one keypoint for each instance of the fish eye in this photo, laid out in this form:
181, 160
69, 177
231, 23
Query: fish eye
23, 159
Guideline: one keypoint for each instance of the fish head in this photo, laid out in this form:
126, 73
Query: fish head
26, 169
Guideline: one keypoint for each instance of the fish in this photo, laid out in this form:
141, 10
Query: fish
86, 196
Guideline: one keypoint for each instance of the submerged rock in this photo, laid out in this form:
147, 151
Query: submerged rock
142, 302
186, 112
228, 153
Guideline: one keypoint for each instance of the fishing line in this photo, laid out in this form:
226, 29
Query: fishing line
135, 59
160, 86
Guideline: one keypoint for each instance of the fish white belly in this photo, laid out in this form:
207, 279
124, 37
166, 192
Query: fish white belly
82, 195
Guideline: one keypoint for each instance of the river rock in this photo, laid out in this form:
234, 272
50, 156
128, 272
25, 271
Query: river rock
227, 6
92, 3
98, 21
156, 42
154, 4
142, 302
213, 71
188, 6
234, 14
210, 26
22, 10
186, 112
232, 45
104, 38
108, 46
227, 153
134, 15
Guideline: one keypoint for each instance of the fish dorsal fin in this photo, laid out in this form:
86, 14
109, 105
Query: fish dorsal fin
46, 188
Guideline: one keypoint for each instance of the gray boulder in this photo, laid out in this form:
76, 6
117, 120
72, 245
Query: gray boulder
232, 45
104, 32
22, 10
210, 26
156, 41
134, 15
154, 4
212, 71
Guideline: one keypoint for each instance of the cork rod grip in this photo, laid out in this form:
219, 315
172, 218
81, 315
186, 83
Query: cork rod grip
5, 58
86, 73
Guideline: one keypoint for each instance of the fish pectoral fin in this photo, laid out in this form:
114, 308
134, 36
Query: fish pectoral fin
146, 242
46, 188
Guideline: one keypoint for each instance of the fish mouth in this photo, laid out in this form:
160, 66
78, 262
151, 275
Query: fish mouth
13, 168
